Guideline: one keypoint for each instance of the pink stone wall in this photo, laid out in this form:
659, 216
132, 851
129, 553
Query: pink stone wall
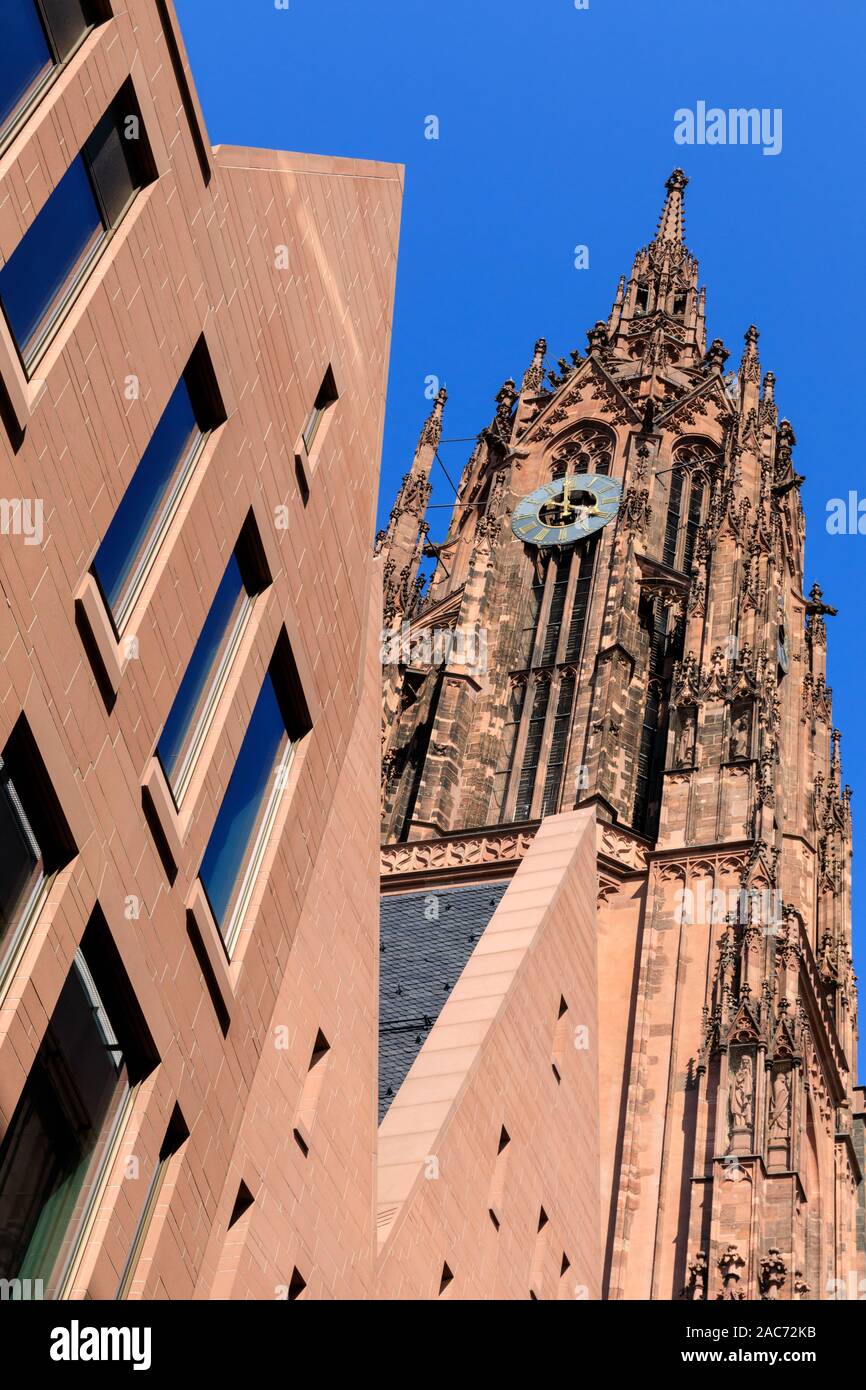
488, 1064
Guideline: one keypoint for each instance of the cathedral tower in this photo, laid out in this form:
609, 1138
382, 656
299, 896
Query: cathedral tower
628, 629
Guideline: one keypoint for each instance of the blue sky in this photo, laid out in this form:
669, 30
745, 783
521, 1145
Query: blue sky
556, 128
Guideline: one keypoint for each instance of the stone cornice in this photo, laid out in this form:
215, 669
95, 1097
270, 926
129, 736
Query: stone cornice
471, 856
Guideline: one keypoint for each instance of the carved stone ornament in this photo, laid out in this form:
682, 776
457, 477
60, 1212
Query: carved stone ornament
773, 1274
731, 1265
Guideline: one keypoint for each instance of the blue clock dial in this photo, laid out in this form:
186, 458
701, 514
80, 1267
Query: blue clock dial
567, 510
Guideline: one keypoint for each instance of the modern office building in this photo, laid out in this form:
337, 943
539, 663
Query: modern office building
193, 357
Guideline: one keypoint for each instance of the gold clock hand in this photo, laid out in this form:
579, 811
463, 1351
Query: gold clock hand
565, 506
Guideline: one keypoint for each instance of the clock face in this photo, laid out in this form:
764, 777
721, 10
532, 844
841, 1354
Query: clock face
567, 510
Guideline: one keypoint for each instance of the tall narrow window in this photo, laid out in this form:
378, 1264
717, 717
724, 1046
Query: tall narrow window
581, 599
652, 732
151, 499
506, 749
51, 260
64, 1130
693, 462
22, 867
175, 1136
34, 841
557, 608
534, 735
26, 58
558, 746
536, 598
672, 524
204, 679
326, 397
249, 806
37, 36
693, 521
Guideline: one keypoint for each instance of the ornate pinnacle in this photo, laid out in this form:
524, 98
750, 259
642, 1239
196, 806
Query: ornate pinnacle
750, 367
533, 377
672, 221
432, 431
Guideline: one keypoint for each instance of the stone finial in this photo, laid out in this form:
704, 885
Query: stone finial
671, 225
716, 357
432, 431
596, 336
533, 377
750, 366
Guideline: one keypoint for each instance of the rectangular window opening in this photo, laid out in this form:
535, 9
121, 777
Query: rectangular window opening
249, 806
38, 37
327, 396
206, 675
35, 842
175, 1136
52, 259
65, 1131
152, 497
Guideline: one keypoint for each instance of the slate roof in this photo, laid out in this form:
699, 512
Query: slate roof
426, 940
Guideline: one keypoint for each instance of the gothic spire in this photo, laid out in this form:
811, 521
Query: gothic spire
401, 543
432, 430
750, 372
663, 281
533, 377
672, 221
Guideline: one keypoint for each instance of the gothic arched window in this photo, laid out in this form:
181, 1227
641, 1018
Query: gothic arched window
537, 729
589, 450
687, 501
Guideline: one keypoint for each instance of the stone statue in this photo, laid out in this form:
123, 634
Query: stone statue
696, 1288
731, 1264
779, 1105
741, 1094
773, 1274
685, 746
739, 747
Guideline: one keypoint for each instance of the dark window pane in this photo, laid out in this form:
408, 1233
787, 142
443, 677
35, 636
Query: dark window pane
20, 859
672, 525
108, 154
46, 259
149, 495
326, 397
245, 798
204, 666
535, 731
67, 21
52, 1153
24, 54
